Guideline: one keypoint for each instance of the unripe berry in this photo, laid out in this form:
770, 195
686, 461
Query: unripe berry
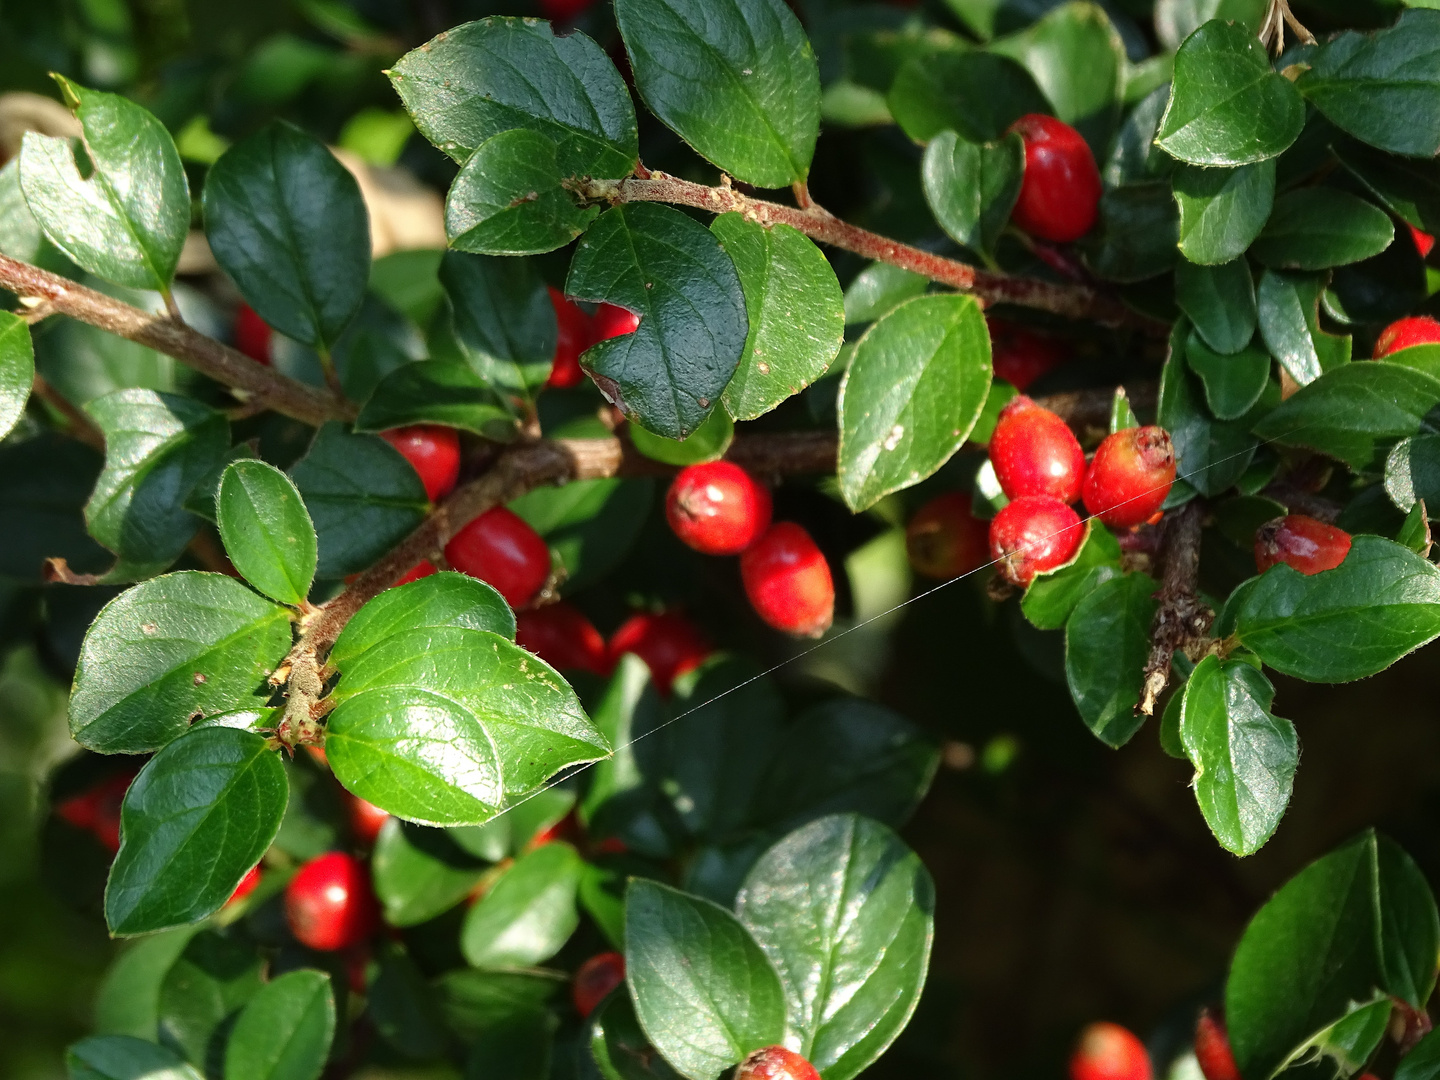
1403, 333
252, 334
1060, 191
1130, 475
573, 339
788, 581
945, 540
422, 569
247, 885
1300, 542
669, 643
433, 450
1109, 1052
1212, 1049
776, 1063
1033, 534
611, 321
329, 903
563, 637
500, 549
366, 819
595, 979
1034, 452
1424, 242
1020, 356
717, 508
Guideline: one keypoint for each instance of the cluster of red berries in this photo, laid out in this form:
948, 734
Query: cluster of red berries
561, 635
578, 331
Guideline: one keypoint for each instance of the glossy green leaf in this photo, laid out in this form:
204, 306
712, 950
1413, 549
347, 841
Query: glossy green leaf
121, 1057
528, 915
672, 272
197, 818
266, 530
704, 991
1219, 301
1289, 320
446, 599
17, 369
795, 309
1316, 228
437, 392
1052, 597
878, 290
1412, 471
977, 94
194, 644
1210, 455
736, 79
971, 187
1424, 358
286, 1030
1233, 384
1228, 106
1222, 210
1135, 237
913, 391
496, 74
203, 993
1423, 1060
420, 873
708, 442
502, 319
1107, 640
620, 1049
845, 912
286, 221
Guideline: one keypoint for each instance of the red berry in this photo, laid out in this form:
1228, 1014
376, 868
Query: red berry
246, 886
945, 540
1212, 1049
572, 340
717, 509
1033, 534
422, 569
564, 10
1034, 452
252, 334
499, 548
1424, 242
788, 581
669, 643
611, 321
1130, 476
776, 1063
563, 637
1109, 1052
567, 829
434, 451
1403, 333
97, 809
1020, 356
1060, 190
1300, 542
366, 819
357, 969
595, 979
329, 903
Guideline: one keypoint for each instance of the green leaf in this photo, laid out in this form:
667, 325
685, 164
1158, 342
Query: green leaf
1414, 532
1175, 20
1424, 358
1289, 319
622, 798
502, 319
1383, 88
215, 977
197, 818
1211, 455
845, 912
1107, 641
17, 369
285, 1031
511, 832
736, 79
1315, 228
436, 392
1228, 107
446, 599
1412, 471
1052, 597
476, 1001
286, 221
194, 645
971, 187
1233, 384
128, 1001
363, 497
878, 290
403, 1006
120, 1057
1135, 158
1220, 301
977, 94
704, 991
795, 309
1410, 189
420, 873
1222, 210
127, 220
527, 916
1135, 238
589, 524
672, 272
709, 442
266, 530
913, 391
485, 77
1423, 1060
1380, 604
621, 1050
1122, 416
1244, 755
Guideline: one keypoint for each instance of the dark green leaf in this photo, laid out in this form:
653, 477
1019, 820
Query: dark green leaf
1423, 1061
878, 290
1379, 289
203, 991
519, 1050
1175, 20
1222, 210
1411, 189
972, 187
436, 392
285, 1031
512, 831
1289, 319
528, 915
1424, 358
503, 320
446, 599
476, 1001
409, 281
266, 530
403, 1006
120, 1057
589, 524
1136, 235
1107, 640
1220, 301
17, 369
1135, 158
1052, 597
1233, 384
621, 1050
420, 873
129, 999
1211, 455
1315, 228
708, 443
1412, 471
977, 94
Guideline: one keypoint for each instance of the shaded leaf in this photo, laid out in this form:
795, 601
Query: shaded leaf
1288, 315
502, 319
1317, 228
527, 916
284, 1033
1052, 596
977, 94
420, 873
1107, 640
121, 1057
266, 530
1222, 210
1233, 384
436, 392
1219, 301
971, 187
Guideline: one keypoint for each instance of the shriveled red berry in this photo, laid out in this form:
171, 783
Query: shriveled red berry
564, 10
1019, 355
500, 549
252, 334
1301, 542
1130, 475
1212, 1048
1034, 452
611, 321
1033, 534
668, 642
573, 339
329, 903
366, 819
563, 637
1403, 333
1109, 1052
594, 980
1424, 242
775, 1063
422, 569
246, 887
717, 508
434, 452
1060, 191
945, 540
788, 581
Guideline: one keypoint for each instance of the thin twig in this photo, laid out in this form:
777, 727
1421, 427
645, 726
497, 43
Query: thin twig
1181, 621
77, 425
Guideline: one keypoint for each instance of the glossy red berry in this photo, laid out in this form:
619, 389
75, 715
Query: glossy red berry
329, 903
1020, 356
366, 819
1109, 1052
434, 452
564, 10
611, 321
1033, 534
252, 334
1212, 1049
669, 643
573, 339
945, 540
595, 979
1403, 333
1301, 542
776, 1063
422, 569
563, 637
788, 581
1130, 475
499, 548
247, 885
1424, 242
717, 508
1034, 452
1060, 191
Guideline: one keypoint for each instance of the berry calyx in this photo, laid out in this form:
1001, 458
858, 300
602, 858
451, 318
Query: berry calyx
422, 569
1212, 1048
611, 321
1020, 356
572, 339
366, 819
1403, 333
329, 903
563, 637
247, 885
1060, 190
788, 581
433, 451
1109, 1052
499, 548
1424, 242
668, 642
252, 334
775, 1063
1033, 534
945, 540
1301, 542
717, 508
1034, 452
1130, 475
594, 980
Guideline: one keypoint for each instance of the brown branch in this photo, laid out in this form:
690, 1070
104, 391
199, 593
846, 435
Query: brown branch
1181, 621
